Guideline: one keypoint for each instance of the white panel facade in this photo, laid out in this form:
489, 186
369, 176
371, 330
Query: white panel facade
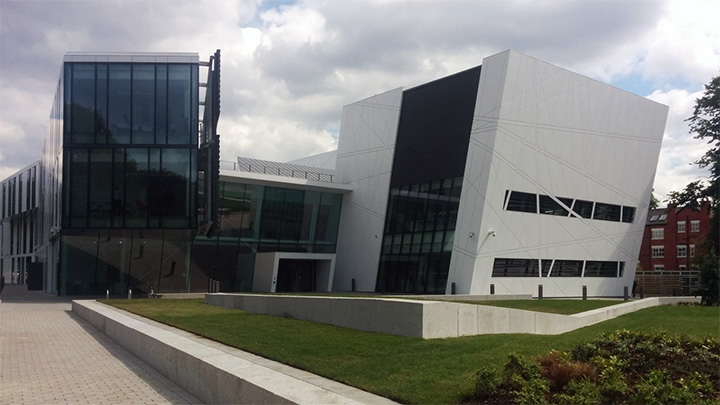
541, 129
364, 160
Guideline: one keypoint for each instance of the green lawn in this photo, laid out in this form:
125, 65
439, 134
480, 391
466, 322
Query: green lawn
409, 370
565, 307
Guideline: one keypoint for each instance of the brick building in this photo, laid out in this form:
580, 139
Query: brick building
671, 240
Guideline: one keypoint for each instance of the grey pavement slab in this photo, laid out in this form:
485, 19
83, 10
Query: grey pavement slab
48, 355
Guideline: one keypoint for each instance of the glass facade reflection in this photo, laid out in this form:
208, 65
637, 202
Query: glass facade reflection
418, 237
130, 145
126, 145
253, 218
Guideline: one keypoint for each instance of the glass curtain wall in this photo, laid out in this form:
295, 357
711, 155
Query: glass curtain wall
130, 145
178, 260
418, 237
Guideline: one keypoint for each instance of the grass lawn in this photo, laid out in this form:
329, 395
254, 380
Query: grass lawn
565, 307
405, 369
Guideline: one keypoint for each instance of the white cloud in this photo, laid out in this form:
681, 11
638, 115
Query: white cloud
289, 67
680, 149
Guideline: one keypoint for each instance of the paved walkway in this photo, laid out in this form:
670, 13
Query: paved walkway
48, 355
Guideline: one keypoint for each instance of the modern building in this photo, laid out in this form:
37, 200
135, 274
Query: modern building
19, 224
513, 177
504, 178
672, 238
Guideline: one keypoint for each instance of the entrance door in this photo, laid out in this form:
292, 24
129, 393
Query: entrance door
295, 275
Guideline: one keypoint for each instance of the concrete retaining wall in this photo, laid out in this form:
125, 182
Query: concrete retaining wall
211, 375
425, 319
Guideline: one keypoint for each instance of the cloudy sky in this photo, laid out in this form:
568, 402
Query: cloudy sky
290, 66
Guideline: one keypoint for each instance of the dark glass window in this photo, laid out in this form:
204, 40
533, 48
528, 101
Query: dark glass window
545, 267
83, 102
435, 120
136, 188
515, 268
292, 215
78, 186
419, 231
143, 104
601, 269
567, 268
522, 202
607, 212
549, 206
628, 214
176, 188
119, 111
161, 104
101, 101
179, 104
101, 170
118, 189
328, 220
583, 208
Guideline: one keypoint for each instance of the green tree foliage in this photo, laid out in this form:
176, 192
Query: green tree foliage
654, 202
705, 124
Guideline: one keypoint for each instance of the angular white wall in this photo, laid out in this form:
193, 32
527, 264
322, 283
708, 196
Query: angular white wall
542, 129
364, 159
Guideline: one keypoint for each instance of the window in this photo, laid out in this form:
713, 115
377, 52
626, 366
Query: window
515, 268
607, 212
682, 267
663, 217
601, 269
654, 217
523, 202
681, 251
659, 267
694, 226
681, 226
550, 207
692, 250
628, 214
658, 233
583, 208
567, 268
658, 251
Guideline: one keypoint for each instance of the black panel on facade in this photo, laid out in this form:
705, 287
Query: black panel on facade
434, 129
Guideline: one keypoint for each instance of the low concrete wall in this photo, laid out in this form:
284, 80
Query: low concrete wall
208, 373
425, 319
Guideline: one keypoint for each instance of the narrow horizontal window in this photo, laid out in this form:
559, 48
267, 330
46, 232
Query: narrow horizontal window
515, 268
522, 202
583, 208
567, 268
601, 269
607, 212
548, 206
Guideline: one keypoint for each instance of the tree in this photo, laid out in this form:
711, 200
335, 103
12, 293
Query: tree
705, 124
654, 202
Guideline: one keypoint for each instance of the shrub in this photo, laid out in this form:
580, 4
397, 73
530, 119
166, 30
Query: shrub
559, 369
532, 392
580, 392
518, 370
622, 367
613, 386
487, 383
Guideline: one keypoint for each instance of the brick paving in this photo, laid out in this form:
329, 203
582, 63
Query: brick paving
48, 355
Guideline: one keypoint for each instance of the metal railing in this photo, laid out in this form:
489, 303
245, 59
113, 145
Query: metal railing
277, 171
